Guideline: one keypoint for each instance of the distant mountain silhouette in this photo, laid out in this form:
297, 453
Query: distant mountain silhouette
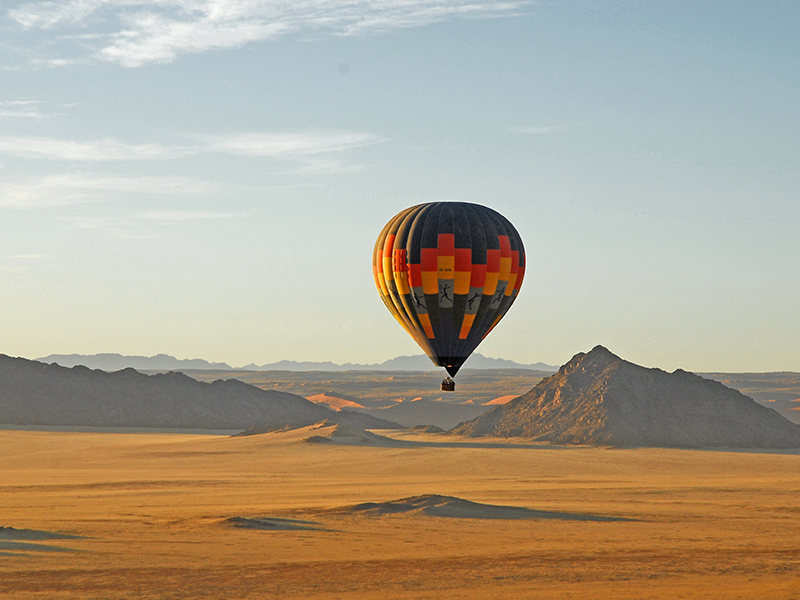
418, 362
600, 399
164, 362
400, 363
479, 361
34, 393
116, 362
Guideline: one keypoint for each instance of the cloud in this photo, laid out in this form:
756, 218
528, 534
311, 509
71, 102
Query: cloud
49, 14
314, 153
100, 150
133, 33
62, 190
288, 145
21, 109
285, 146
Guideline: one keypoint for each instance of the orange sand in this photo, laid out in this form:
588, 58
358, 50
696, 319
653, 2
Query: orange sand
153, 511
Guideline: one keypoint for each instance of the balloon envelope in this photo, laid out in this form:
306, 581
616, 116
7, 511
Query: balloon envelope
448, 272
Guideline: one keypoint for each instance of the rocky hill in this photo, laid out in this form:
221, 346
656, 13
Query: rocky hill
600, 399
34, 393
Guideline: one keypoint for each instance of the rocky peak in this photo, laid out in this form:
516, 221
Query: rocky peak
585, 366
599, 398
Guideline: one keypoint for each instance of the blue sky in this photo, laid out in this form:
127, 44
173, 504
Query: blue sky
207, 178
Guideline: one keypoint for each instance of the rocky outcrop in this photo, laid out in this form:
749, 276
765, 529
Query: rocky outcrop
600, 399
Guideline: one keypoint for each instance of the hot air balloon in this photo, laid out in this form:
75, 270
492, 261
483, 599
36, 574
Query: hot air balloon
448, 272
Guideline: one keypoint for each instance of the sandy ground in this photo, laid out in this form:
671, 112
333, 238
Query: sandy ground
271, 516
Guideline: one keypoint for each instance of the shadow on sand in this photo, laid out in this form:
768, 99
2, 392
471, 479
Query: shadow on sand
275, 524
434, 505
21, 541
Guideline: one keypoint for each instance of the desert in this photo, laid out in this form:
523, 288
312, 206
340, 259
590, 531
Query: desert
546, 495
173, 515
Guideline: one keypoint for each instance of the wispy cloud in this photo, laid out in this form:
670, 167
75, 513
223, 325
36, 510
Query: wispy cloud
61, 190
311, 153
305, 152
49, 14
133, 33
99, 150
19, 263
21, 109
286, 146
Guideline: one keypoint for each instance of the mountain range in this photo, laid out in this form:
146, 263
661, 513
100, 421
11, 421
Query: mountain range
165, 362
597, 398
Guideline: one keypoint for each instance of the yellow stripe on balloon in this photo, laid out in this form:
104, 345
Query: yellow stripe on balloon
430, 282
425, 321
505, 268
461, 285
466, 326
447, 266
512, 280
490, 287
401, 281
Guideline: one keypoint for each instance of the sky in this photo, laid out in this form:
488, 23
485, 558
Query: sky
207, 178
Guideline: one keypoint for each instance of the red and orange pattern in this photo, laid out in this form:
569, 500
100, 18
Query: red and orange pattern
448, 272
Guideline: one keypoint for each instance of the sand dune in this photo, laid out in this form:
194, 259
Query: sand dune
426, 429
342, 434
273, 524
421, 411
335, 401
456, 508
501, 400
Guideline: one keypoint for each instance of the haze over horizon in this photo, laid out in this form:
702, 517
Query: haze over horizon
207, 179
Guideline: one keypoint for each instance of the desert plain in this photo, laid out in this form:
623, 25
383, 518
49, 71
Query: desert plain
173, 515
